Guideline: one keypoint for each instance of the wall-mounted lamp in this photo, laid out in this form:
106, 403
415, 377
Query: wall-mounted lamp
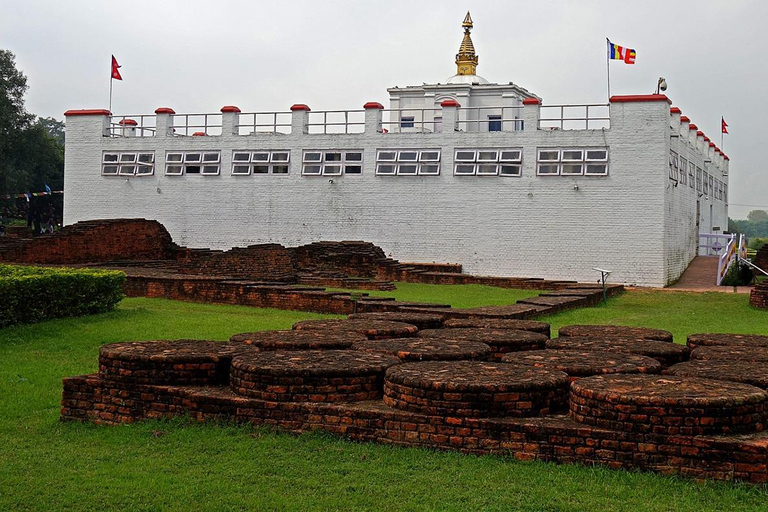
330, 181
576, 187
530, 194
158, 190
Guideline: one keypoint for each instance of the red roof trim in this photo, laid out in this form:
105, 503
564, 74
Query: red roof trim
692, 127
684, 119
725, 156
373, 104
531, 101
88, 112
128, 122
165, 110
712, 144
675, 110
450, 103
700, 133
639, 98
300, 106
230, 108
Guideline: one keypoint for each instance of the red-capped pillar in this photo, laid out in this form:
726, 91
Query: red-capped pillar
640, 114
373, 117
128, 127
450, 115
531, 113
299, 118
230, 120
164, 122
88, 120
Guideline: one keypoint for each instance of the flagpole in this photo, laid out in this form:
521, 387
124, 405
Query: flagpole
608, 67
721, 133
110, 93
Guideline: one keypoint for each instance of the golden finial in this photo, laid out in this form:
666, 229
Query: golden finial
466, 60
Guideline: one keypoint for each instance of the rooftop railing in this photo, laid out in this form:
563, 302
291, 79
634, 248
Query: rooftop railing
249, 123
574, 117
196, 124
336, 121
132, 126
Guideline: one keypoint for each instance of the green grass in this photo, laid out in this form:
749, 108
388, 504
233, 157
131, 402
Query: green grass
48, 465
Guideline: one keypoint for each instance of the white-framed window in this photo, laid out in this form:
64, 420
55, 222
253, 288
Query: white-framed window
407, 122
488, 162
245, 163
206, 163
332, 162
572, 161
698, 179
407, 162
683, 171
706, 184
128, 163
674, 165
494, 123
712, 185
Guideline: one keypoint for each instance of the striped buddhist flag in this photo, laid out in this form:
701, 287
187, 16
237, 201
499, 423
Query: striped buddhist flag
616, 52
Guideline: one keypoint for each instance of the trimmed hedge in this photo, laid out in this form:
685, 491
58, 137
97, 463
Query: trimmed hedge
33, 294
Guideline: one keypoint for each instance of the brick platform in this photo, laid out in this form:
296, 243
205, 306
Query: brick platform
758, 297
310, 375
420, 320
372, 329
731, 353
298, 340
474, 389
501, 341
496, 324
577, 363
606, 331
754, 373
665, 353
722, 340
427, 349
668, 404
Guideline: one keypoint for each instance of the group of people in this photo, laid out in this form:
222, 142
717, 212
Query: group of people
41, 216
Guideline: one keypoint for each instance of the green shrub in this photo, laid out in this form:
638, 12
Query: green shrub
738, 275
33, 294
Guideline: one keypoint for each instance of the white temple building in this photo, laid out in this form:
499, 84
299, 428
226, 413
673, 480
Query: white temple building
465, 171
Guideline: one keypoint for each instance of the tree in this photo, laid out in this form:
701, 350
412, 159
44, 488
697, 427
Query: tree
54, 127
13, 117
757, 215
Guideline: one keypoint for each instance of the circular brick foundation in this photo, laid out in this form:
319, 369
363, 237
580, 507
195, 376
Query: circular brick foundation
296, 340
474, 389
665, 353
747, 372
724, 340
490, 323
310, 375
578, 364
501, 341
607, 331
372, 329
427, 349
420, 320
166, 362
668, 404
731, 353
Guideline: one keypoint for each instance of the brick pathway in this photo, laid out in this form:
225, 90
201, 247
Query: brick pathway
700, 277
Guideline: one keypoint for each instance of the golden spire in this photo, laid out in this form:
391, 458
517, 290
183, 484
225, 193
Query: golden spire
466, 60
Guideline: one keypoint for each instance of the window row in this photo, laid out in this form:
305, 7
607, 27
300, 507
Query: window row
572, 162
193, 162
127, 163
245, 163
332, 162
687, 173
488, 162
408, 162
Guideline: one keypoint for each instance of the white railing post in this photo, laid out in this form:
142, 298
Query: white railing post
450, 111
128, 127
164, 122
373, 116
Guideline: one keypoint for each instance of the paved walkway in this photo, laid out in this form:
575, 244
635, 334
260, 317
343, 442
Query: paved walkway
700, 277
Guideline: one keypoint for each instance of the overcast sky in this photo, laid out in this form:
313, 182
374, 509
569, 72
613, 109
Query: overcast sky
197, 56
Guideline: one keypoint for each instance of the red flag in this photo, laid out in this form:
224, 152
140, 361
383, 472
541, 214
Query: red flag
723, 125
115, 72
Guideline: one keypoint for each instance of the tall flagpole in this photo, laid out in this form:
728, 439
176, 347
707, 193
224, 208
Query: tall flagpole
110, 92
608, 67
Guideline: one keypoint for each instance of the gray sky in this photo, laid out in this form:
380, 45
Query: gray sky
197, 56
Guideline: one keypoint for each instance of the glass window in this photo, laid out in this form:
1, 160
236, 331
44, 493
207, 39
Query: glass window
353, 169
548, 169
408, 156
313, 156
597, 154
312, 170
109, 170
192, 157
279, 169
146, 158
386, 156
353, 157
494, 123
464, 169
174, 157
241, 170
430, 156
510, 170
280, 156
173, 170
406, 122
260, 169
549, 154
572, 169
385, 169
510, 155
110, 157
487, 156
145, 170
596, 169
407, 169
127, 157
572, 155
487, 170
241, 157
465, 156
333, 157
262, 156
332, 170
429, 169
211, 157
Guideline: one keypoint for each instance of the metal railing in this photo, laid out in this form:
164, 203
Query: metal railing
574, 117
490, 119
336, 121
264, 122
713, 244
144, 127
202, 124
412, 120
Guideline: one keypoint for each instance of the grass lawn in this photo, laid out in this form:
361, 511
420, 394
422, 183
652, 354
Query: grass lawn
47, 465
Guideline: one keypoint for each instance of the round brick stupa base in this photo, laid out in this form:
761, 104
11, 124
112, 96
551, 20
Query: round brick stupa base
579, 364
427, 349
166, 362
747, 372
731, 353
372, 329
668, 404
296, 340
310, 375
500, 323
420, 320
501, 341
607, 331
665, 353
474, 389
726, 340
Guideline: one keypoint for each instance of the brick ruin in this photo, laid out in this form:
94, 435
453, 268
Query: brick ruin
480, 384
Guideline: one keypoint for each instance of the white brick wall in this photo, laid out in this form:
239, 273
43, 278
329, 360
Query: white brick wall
536, 226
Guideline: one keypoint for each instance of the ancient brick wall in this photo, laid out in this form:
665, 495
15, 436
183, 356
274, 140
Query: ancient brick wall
758, 297
264, 262
352, 258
